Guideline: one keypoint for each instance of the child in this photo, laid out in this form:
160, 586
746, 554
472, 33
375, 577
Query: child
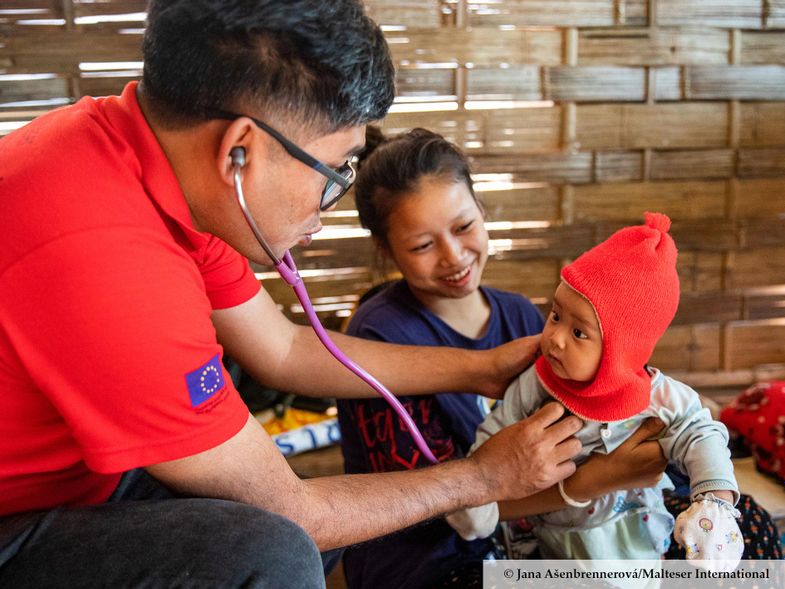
613, 304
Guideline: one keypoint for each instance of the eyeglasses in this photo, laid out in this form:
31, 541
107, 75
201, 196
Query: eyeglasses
338, 180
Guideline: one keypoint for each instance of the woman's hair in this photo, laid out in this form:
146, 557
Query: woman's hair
389, 169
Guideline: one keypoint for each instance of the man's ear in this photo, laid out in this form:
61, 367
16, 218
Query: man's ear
237, 138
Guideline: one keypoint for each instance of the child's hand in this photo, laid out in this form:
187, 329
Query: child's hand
475, 522
708, 531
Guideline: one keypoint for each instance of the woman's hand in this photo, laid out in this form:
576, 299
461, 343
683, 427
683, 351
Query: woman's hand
637, 464
505, 363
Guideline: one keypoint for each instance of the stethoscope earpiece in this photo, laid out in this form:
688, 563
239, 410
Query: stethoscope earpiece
238, 156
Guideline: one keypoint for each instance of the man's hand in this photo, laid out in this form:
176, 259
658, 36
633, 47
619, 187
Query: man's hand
637, 464
528, 456
505, 363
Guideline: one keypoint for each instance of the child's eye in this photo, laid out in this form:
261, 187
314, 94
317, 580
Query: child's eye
579, 334
554, 316
465, 227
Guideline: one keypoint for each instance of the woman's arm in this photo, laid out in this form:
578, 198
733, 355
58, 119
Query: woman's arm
637, 463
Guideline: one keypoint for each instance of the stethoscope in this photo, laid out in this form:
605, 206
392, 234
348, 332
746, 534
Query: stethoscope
288, 271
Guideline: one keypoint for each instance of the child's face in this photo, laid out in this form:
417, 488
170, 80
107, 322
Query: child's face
572, 341
438, 240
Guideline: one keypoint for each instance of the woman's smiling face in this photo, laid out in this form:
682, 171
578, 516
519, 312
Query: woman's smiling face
438, 240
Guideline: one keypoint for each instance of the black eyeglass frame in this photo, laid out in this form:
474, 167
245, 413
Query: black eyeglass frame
334, 177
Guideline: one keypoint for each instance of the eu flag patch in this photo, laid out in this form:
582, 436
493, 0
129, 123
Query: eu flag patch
205, 381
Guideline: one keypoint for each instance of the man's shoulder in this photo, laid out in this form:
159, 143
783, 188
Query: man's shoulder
65, 173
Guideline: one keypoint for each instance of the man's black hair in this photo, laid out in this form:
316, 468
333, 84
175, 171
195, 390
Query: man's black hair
322, 63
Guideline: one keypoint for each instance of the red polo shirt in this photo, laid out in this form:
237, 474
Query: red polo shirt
108, 357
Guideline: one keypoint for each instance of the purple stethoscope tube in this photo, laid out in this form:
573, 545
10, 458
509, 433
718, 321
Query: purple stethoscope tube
288, 271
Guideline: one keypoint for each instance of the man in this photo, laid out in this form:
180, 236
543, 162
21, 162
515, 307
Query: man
119, 293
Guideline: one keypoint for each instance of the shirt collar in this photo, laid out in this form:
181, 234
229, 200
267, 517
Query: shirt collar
156, 173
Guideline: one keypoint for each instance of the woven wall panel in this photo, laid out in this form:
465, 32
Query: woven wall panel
628, 201
49, 88
522, 130
37, 51
426, 83
489, 131
479, 47
536, 203
103, 85
708, 307
633, 13
347, 252
15, 10
655, 126
83, 8
755, 163
411, 13
761, 198
459, 127
618, 166
776, 14
762, 124
509, 83
700, 271
759, 47
685, 164
565, 13
693, 348
743, 82
756, 267
575, 168
668, 84
762, 232
595, 84
752, 343
534, 278
766, 305
746, 14
551, 242
632, 46
712, 233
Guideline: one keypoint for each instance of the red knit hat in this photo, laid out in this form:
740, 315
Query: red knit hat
631, 281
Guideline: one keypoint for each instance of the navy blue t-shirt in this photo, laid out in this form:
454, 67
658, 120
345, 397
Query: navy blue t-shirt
374, 439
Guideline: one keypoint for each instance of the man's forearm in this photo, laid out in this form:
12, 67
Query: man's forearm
354, 508
520, 460
335, 511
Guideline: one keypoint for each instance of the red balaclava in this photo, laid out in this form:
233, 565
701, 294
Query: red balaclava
631, 281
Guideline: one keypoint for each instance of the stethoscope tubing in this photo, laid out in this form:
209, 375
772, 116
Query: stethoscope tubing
288, 272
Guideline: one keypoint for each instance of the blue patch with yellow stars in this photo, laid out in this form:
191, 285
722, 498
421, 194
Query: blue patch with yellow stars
205, 381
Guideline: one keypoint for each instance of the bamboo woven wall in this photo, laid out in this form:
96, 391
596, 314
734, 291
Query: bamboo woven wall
579, 116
